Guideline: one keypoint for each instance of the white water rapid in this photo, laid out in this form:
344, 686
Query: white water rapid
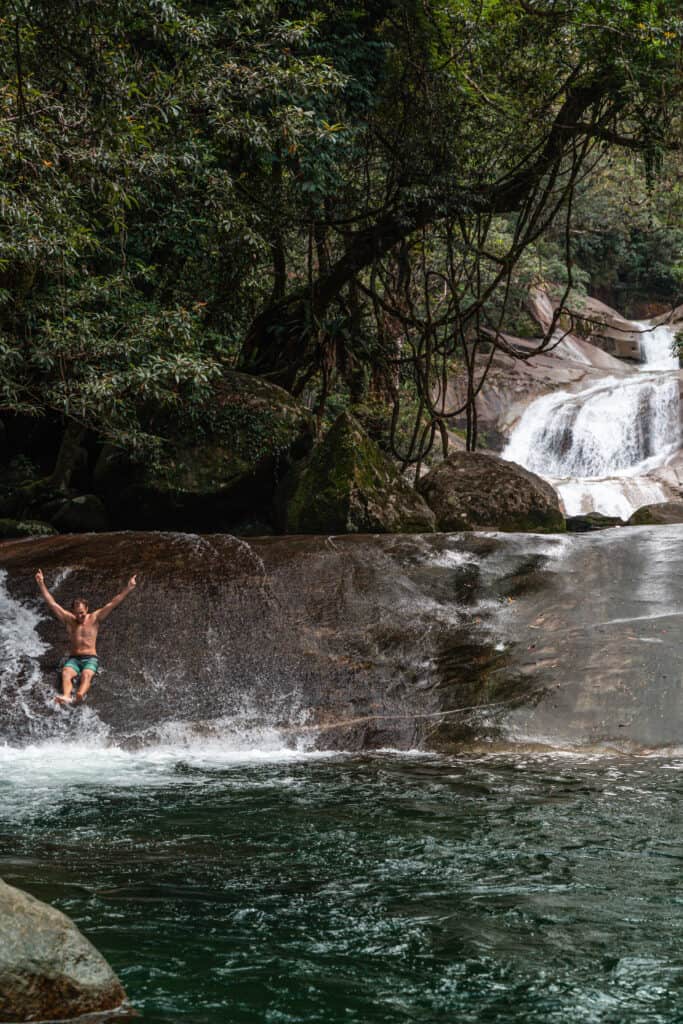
598, 446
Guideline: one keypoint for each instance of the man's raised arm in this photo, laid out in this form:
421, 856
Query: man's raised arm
59, 613
102, 612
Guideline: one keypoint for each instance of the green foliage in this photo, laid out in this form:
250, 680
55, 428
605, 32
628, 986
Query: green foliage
293, 188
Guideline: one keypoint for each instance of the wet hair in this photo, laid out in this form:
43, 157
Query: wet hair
79, 600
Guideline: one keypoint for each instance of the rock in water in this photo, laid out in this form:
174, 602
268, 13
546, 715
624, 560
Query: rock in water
48, 970
349, 486
588, 521
658, 515
471, 491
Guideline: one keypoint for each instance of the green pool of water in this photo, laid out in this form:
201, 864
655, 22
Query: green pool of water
384, 888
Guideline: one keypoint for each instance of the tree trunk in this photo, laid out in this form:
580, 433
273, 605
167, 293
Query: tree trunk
67, 457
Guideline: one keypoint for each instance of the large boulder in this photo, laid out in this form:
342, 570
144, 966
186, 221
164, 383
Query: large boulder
48, 970
658, 515
253, 432
349, 486
471, 491
84, 514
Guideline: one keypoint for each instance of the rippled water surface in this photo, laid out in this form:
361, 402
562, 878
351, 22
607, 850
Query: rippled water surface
280, 887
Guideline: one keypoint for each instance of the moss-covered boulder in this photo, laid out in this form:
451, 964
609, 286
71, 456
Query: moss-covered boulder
349, 486
586, 522
13, 528
252, 433
662, 514
472, 491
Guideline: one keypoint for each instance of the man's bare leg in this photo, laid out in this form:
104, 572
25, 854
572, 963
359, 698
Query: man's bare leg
68, 676
86, 680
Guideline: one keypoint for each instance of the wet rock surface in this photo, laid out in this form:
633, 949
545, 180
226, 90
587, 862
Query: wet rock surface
472, 490
358, 642
340, 642
48, 969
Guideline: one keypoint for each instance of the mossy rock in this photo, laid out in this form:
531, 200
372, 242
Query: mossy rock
472, 491
662, 514
13, 528
589, 521
349, 486
252, 434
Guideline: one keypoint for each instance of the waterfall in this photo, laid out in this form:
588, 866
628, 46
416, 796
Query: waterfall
597, 446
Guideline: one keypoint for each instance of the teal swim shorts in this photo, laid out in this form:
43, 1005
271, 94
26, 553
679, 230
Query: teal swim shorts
88, 661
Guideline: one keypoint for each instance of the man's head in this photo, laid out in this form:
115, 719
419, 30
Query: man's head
80, 608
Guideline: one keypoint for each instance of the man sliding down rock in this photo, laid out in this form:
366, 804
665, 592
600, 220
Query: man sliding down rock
82, 628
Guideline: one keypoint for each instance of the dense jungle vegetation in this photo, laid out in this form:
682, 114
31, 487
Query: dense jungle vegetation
343, 199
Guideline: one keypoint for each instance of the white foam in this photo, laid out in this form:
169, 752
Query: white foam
53, 768
657, 345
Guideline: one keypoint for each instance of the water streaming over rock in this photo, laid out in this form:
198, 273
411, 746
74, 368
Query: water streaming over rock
597, 446
440, 642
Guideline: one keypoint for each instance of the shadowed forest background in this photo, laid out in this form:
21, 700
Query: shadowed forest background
224, 224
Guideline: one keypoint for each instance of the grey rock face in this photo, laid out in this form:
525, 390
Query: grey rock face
470, 490
48, 970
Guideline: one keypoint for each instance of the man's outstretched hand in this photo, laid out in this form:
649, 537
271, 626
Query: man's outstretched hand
133, 581
39, 577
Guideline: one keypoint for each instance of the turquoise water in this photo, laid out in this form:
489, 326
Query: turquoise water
274, 887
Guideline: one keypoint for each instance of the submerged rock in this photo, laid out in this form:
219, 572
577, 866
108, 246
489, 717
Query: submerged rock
658, 515
592, 521
254, 431
349, 486
470, 491
48, 970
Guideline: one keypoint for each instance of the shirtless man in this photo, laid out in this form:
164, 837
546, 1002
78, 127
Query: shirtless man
82, 627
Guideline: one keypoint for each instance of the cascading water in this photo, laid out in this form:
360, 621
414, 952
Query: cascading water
597, 446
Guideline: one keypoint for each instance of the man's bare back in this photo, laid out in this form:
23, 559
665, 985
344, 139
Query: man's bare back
82, 627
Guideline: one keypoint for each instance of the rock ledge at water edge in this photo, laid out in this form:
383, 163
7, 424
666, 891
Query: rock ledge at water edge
663, 514
472, 491
48, 970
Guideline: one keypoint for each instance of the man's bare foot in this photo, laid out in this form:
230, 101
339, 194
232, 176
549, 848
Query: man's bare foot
80, 697
64, 700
